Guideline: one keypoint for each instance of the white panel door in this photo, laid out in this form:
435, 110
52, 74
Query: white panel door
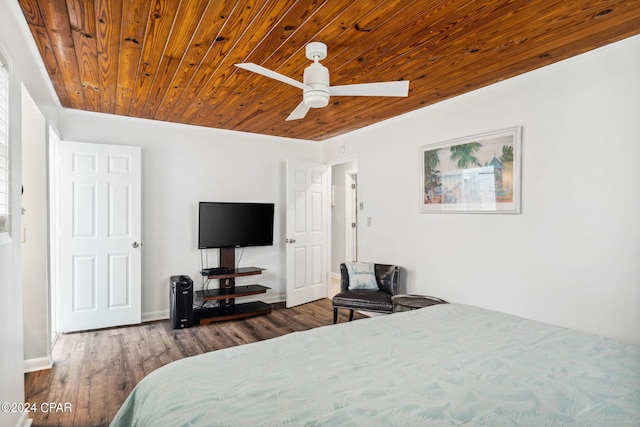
307, 232
99, 236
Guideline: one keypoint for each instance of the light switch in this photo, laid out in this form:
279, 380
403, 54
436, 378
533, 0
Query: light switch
369, 221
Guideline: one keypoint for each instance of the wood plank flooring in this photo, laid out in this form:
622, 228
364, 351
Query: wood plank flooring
95, 371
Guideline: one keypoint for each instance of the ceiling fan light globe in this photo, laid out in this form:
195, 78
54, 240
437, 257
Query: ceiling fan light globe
316, 99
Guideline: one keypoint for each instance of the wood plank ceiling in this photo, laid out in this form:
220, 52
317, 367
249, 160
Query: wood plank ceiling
172, 60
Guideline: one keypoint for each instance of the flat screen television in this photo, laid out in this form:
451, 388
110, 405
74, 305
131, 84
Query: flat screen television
232, 225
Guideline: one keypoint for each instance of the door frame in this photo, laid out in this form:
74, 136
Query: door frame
53, 142
351, 212
331, 163
35, 230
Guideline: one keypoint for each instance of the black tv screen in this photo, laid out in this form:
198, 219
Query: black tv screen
226, 225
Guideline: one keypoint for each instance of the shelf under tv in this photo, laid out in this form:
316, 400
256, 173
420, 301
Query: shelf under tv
236, 311
227, 292
235, 292
234, 272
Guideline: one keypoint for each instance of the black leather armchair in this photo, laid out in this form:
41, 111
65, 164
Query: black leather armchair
378, 301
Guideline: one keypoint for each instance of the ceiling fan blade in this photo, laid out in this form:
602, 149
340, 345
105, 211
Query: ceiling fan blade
299, 112
255, 68
400, 88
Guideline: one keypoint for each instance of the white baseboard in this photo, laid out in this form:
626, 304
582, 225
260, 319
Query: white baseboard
273, 299
24, 421
155, 315
37, 364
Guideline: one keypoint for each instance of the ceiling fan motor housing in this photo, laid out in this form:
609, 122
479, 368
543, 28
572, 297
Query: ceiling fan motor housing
316, 76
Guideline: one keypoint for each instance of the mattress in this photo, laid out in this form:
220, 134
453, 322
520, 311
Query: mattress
448, 364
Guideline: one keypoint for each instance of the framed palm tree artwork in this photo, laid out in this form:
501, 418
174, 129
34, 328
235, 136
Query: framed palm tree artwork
475, 174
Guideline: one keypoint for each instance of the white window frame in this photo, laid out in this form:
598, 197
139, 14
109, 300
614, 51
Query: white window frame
5, 150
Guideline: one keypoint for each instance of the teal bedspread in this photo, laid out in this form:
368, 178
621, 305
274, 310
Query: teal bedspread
443, 365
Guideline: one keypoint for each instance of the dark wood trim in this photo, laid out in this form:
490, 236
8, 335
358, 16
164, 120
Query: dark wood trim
228, 257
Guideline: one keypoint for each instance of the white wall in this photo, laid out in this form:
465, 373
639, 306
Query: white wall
572, 257
11, 333
181, 166
27, 71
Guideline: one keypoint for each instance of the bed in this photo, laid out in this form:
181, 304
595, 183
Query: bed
448, 364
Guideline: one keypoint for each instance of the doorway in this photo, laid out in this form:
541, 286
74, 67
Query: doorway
351, 215
344, 218
34, 236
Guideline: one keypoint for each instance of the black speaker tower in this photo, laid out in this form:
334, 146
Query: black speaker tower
181, 300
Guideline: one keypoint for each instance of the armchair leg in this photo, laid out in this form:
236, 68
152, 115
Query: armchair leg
350, 315
335, 316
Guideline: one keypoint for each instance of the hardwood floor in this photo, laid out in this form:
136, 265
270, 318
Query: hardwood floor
95, 371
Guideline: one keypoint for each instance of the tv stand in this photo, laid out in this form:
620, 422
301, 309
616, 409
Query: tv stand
227, 292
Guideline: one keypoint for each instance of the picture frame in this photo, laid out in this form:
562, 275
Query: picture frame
474, 174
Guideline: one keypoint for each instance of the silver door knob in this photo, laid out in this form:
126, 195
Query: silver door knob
136, 244
290, 240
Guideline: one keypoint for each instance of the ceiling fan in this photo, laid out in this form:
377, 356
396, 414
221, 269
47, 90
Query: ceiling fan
316, 88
